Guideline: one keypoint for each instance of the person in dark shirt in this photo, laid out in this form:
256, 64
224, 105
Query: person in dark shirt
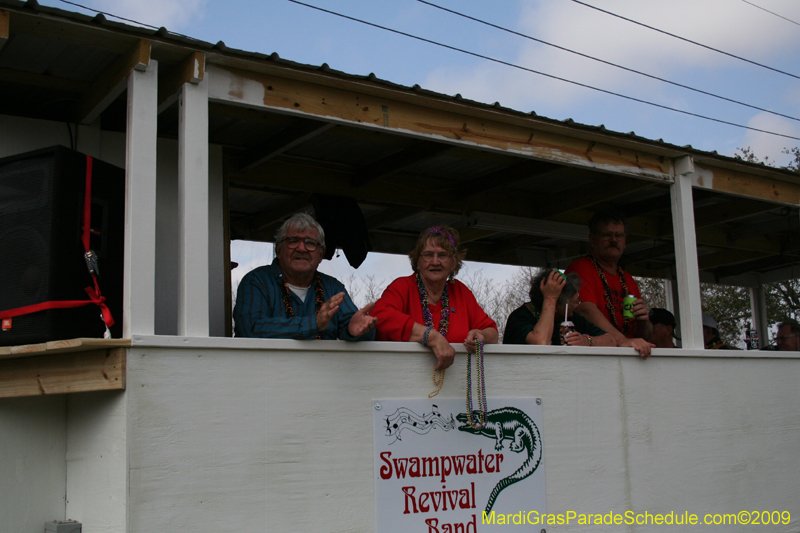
663, 328
290, 299
553, 296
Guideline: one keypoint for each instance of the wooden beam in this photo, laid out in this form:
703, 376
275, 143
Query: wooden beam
732, 209
515, 243
415, 115
523, 170
4, 27
649, 205
295, 134
648, 254
43, 80
63, 373
646, 270
639, 228
765, 263
61, 346
391, 215
190, 70
416, 153
766, 244
297, 175
274, 215
706, 216
113, 82
599, 191
247, 114
466, 235
564, 255
745, 184
723, 258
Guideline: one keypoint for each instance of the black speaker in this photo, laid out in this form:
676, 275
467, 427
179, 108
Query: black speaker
41, 252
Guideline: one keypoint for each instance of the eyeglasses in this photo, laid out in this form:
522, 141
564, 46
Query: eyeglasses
293, 242
606, 235
428, 256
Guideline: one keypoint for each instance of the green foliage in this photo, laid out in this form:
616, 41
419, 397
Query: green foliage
783, 300
653, 292
794, 166
746, 154
730, 307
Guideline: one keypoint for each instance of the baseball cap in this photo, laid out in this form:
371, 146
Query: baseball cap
662, 316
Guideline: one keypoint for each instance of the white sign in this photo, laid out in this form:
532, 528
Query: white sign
437, 473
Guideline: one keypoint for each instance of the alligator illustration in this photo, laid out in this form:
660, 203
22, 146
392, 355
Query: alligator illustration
512, 424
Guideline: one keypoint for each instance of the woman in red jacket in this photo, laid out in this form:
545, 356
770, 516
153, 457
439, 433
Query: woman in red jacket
430, 306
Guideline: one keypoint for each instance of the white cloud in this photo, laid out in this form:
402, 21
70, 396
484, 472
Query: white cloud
739, 29
771, 145
175, 15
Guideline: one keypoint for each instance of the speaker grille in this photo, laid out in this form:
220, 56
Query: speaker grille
41, 203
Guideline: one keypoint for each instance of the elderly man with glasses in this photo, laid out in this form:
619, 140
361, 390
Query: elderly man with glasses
605, 284
290, 299
787, 336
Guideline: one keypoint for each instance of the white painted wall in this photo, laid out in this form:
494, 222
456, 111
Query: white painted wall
32, 469
97, 461
273, 436
249, 434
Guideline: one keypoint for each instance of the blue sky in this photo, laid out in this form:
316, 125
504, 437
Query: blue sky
305, 35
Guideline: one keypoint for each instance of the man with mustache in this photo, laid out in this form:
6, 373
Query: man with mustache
605, 284
289, 299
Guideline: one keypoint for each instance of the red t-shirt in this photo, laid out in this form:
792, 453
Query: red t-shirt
399, 308
592, 288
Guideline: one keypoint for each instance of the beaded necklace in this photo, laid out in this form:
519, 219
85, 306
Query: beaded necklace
626, 326
479, 421
427, 317
319, 300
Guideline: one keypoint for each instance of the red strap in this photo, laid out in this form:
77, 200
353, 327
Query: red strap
64, 304
93, 292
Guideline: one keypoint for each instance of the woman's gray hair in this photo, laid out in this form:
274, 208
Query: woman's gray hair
571, 288
300, 222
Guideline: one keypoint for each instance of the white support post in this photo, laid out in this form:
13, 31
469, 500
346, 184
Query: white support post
758, 303
669, 296
689, 302
140, 203
193, 272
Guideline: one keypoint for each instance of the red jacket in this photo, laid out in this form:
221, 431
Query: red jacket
399, 308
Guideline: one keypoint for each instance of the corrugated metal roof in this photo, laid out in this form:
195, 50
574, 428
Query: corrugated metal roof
163, 34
